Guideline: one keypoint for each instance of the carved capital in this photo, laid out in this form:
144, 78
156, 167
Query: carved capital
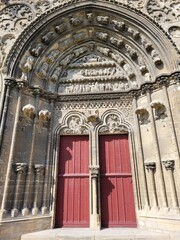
28, 111
142, 114
150, 166
10, 82
160, 109
94, 171
44, 116
169, 164
20, 168
39, 169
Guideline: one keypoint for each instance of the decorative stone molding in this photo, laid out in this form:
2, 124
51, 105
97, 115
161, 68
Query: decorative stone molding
28, 112
160, 109
169, 164
150, 166
142, 114
94, 171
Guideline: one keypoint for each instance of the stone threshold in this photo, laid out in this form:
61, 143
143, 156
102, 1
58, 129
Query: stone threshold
103, 234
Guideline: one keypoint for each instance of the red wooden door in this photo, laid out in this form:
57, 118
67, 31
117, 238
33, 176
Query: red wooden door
117, 200
72, 208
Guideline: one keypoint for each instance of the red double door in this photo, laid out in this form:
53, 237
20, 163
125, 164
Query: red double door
116, 192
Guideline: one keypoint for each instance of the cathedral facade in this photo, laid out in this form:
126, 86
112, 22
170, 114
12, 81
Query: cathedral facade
90, 105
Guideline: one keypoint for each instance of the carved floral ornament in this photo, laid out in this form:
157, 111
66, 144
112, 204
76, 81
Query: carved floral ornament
28, 111
44, 116
143, 115
160, 109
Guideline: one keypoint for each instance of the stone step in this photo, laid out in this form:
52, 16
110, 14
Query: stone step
103, 234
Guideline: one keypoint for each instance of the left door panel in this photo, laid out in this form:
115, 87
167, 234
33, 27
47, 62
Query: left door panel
72, 204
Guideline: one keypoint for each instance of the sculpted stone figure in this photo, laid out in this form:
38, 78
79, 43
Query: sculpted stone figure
37, 50
118, 25
75, 21
54, 77
43, 70
48, 37
102, 36
28, 64
61, 28
52, 56
117, 42
103, 19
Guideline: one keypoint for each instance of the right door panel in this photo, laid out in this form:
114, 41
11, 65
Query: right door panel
117, 198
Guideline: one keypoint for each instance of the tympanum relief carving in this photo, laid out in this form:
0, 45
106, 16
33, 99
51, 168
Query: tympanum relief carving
75, 125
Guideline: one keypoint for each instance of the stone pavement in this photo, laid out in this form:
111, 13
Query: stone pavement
104, 234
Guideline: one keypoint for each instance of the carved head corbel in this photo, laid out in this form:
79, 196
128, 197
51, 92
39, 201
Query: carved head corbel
44, 116
160, 109
28, 111
142, 114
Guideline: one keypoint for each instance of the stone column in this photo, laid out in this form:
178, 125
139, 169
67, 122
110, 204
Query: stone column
160, 175
145, 197
151, 167
12, 145
94, 173
9, 83
39, 173
20, 169
30, 175
169, 166
46, 193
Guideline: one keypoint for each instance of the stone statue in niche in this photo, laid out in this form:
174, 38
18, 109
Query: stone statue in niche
132, 53
160, 109
52, 56
37, 50
127, 68
48, 37
142, 65
67, 59
120, 26
75, 21
43, 70
90, 16
117, 42
102, 36
103, 50
55, 76
143, 115
148, 46
61, 28
104, 20
116, 57
80, 51
156, 59
27, 67
135, 34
